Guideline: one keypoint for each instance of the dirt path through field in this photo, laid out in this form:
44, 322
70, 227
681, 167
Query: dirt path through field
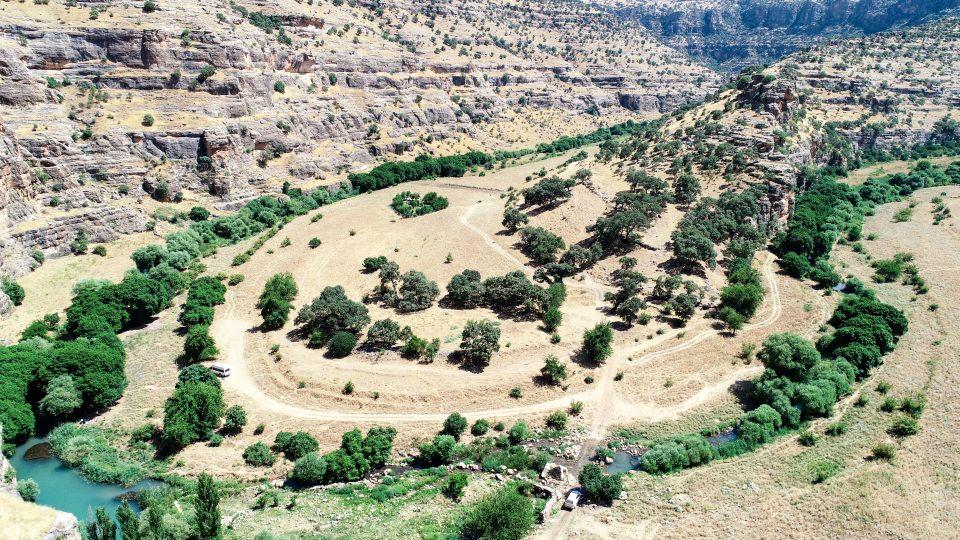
231, 332
610, 408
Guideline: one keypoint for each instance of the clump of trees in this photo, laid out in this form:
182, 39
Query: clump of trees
728, 219
549, 192
600, 487
276, 300
633, 211
329, 313
409, 204
512, 294
540, 244
411, 291
197, 315
741, 297
355, 458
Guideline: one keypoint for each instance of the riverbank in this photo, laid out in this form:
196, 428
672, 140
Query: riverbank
62, 487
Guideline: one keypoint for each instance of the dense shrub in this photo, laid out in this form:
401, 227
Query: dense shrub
309, 470
13, 290
234, 419
504, 514
259, 455
596, 343
454, 425
439, 451
599, 487
295, 446
276, 300
342, 344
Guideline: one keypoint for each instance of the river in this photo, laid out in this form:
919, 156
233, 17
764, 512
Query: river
64, 489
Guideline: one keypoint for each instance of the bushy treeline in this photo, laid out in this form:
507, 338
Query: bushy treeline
802, 381
196, 315
423, 167
601, 135
742, 296
829, 209
562, 144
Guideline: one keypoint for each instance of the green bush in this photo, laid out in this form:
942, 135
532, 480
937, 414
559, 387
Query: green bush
599, 487
309, 470
596, 343
904, 426
480, 427
455, 485
504, 515
259, 455
295, 446
823, 469
884, 452
234, 419
342, 344
28, 489
557, 420
454, 425
439, 451
13, 290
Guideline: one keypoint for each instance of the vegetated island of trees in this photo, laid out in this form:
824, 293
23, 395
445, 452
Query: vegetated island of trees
409, 204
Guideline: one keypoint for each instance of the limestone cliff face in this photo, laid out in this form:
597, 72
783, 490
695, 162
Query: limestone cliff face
103, 105
735, 33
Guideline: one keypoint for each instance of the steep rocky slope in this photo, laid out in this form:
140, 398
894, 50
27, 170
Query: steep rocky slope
735, 33
830, 104
104, 103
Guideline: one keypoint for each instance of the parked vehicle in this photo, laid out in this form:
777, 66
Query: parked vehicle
221, 370
573, 499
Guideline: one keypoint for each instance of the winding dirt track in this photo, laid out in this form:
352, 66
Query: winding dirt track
231, 332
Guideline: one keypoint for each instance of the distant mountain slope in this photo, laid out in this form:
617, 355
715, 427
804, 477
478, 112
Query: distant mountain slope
826, 105
734, 33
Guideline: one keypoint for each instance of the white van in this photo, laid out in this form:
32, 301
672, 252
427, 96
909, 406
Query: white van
221, 370
573, 499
